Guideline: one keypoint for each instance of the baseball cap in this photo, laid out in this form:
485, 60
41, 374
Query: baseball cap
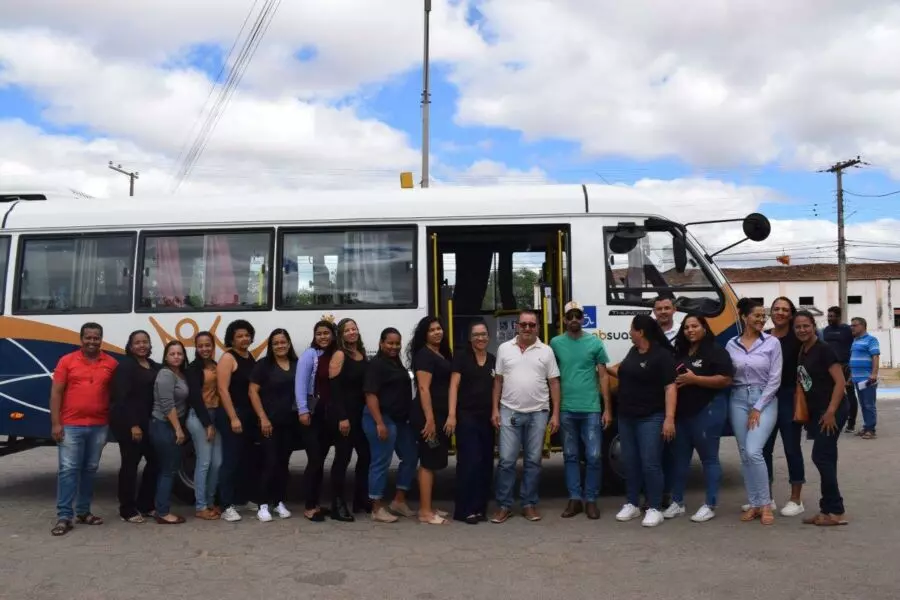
570, 306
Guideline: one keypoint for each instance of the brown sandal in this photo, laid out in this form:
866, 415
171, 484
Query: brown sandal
823, 520
88, 519
767, 517
750, 515
62, 527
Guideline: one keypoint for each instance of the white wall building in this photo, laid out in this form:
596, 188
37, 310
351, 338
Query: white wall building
873, 293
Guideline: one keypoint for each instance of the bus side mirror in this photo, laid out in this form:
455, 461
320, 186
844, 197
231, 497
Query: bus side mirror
757, 227
679, 254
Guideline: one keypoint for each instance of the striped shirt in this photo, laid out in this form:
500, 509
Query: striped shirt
863, 350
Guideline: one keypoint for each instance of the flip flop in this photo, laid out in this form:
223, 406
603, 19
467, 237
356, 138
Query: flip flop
435, 519
823, 520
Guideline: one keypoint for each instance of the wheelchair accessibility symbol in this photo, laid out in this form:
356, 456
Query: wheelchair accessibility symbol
590, 317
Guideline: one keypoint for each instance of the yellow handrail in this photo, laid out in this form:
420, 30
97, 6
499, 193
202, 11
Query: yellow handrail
434, 267
544, 313
559, 276
450, 322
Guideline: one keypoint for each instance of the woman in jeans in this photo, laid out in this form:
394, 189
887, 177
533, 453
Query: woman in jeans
386, 423
272, 397
471, 384
429, 357
704, 372
782, 314
166, 432
821, 378
347, 372
753, 406
129, 418
203, 399
646, 405
313, 396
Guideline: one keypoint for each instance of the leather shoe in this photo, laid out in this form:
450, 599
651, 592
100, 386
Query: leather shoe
573, 508
339, 511
592, 511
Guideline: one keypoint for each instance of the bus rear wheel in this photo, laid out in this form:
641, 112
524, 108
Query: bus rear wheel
613, 467
183, 485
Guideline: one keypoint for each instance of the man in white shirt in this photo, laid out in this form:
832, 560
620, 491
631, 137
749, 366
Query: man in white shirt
664, 313
525, 397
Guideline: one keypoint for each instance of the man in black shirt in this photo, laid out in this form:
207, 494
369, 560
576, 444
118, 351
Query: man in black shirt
839, 336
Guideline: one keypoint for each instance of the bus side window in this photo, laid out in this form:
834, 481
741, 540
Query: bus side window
4, 261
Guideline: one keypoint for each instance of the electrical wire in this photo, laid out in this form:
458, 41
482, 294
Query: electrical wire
849, 193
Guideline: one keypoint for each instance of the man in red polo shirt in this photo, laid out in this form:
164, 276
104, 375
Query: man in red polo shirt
79, 412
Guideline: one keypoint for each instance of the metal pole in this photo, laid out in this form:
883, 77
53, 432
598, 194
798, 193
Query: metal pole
842, 247
426, 98
132, 175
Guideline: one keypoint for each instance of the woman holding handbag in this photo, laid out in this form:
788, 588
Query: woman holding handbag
821, 385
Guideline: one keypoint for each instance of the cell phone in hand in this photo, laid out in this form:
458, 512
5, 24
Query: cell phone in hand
681, 369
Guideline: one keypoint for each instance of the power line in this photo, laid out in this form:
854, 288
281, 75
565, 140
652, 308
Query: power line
849, 193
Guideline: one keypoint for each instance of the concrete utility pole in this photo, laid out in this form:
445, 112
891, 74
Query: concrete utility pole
131, 176
838, 170
426, 98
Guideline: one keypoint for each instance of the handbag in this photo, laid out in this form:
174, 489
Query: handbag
801, 408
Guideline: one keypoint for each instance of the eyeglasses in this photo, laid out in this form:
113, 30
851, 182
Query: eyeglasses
574, 316
528, 325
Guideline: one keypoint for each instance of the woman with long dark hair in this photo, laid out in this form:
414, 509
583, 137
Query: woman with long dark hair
347, 372
238, 479
646, 405
782, 314
428, 354
471, 385
313, 395
272, 397
704, 373
821, 377
129, 418
203, 400
386, 423
170, 395
753, 407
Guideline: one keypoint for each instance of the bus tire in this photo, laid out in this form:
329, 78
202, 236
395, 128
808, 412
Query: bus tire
613, 467
183, 484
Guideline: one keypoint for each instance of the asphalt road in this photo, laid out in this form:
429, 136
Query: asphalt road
555, 558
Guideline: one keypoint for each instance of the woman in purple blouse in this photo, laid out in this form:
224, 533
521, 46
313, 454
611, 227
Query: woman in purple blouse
753, 409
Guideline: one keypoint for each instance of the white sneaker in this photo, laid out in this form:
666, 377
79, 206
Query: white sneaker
263, 514
231, 515
628, 512
792, 509
652, 518
282, 511
703, 514
746, 507
674, 510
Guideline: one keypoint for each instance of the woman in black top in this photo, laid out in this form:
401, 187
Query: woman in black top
235, 421
347, 372
782, 313
704, 371
471, 382
386, 424
272, 397
129, 418
429, 356
646, 409
821, 377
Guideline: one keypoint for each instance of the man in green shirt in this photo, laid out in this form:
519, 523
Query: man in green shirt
582, 362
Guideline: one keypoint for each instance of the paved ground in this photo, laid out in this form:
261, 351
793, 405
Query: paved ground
722, 559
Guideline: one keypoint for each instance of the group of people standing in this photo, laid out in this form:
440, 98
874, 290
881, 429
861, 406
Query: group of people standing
244, 414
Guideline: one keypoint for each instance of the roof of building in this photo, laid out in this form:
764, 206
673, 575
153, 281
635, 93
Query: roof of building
813, 272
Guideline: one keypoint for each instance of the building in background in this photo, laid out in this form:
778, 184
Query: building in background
873, 293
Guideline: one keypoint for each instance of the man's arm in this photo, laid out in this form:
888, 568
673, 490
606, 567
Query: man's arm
56, 400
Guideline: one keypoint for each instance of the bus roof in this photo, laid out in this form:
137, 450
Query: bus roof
327, 206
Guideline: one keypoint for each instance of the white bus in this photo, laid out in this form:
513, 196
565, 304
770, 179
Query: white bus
177, 266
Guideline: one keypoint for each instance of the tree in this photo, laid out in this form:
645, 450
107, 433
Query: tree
523, 282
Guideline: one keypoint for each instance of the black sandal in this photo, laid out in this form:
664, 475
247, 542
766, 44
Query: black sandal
62, 527
317, 517
88, 519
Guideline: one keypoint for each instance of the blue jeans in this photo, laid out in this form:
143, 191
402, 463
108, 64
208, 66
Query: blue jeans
79, 459
642, 449
582, 428
751, 443
402, 440
520, 431
168, 455
701, 432
209, 461
867, 406
791, 437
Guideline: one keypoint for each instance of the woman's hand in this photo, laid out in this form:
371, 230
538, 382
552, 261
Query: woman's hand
668, 429
753, 420
265, 426
382, 431
828, 423
137, 434
210, 433
236, 426
305, 420
686, 378
344, 427
429, 429
450, 425
179, 436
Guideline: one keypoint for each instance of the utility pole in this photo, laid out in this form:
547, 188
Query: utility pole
131, 176
426, 98
838, 170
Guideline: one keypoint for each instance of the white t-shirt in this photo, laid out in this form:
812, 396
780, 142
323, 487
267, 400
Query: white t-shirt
525, 374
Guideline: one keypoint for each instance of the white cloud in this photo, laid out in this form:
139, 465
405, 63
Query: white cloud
489, 172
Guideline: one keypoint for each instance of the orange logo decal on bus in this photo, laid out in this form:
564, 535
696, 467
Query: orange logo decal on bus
187, 329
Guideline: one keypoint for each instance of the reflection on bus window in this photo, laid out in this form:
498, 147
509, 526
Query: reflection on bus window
4, 259
348, 268
210, 271
83, 274
639, 270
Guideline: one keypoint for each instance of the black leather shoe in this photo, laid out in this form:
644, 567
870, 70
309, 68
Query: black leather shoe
592, 511
574, 507
339, 511
362, 506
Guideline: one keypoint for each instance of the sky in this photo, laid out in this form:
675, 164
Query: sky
715, 109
